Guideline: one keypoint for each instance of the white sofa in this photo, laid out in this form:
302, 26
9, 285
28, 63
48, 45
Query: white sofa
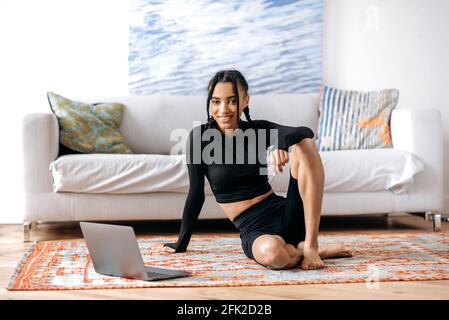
152, 183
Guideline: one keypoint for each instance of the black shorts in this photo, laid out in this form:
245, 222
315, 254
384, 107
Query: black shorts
277, 215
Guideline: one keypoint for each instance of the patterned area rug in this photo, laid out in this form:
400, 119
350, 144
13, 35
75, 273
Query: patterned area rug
217, 261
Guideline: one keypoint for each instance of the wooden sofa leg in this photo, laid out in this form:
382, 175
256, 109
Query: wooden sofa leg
27, 231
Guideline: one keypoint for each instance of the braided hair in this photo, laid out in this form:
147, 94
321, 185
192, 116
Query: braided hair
235, 77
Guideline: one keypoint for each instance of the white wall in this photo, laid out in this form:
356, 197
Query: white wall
80, 48
72, 47
374, 44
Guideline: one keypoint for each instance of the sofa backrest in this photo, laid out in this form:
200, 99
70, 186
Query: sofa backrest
149, 121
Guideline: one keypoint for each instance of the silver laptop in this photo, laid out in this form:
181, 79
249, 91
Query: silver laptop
115, 252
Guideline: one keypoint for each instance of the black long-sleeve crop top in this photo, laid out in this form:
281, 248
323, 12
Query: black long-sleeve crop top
234, 173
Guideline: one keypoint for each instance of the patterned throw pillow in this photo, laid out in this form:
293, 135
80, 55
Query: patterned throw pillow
354, 119
89, 128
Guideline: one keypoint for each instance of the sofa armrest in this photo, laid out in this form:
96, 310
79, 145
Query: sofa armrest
40, 143
420, 132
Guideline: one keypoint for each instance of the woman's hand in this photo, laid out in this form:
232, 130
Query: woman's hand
277, 160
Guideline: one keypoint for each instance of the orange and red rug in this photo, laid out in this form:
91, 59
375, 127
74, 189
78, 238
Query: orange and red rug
217, 261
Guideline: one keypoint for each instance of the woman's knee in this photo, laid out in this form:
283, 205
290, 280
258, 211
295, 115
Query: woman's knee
270, 252
306, 156
302, 153
304, 150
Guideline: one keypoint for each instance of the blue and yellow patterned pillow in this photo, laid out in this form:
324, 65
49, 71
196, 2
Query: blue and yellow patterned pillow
89, 128
354, 119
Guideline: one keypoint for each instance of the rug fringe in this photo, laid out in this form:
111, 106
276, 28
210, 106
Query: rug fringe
20, 265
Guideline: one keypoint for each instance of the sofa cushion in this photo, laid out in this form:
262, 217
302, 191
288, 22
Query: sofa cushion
345, 171
89, 128
153, 124
119, 173
354, 119
364, 171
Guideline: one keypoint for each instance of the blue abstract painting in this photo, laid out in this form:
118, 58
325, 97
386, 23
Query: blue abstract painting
176, 46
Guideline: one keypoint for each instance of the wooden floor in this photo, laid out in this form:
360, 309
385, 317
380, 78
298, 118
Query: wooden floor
12, 248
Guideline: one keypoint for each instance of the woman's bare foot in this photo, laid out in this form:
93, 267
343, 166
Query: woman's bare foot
295, 256
336, 250
328, 251
311, 258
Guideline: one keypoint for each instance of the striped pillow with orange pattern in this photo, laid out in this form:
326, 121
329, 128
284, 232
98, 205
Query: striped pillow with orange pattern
351, 119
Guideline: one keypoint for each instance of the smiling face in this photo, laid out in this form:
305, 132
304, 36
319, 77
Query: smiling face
223, 105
